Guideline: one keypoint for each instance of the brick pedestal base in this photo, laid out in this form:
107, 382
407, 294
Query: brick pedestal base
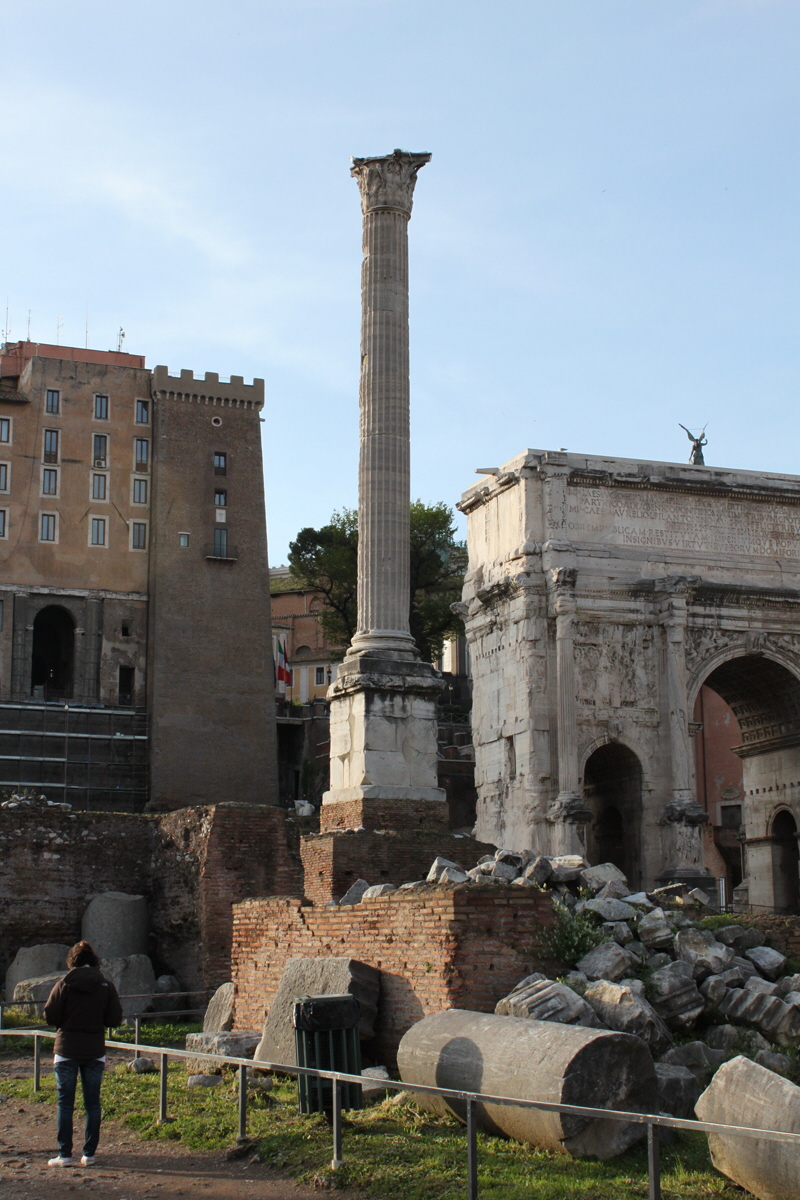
334, 860
372, 813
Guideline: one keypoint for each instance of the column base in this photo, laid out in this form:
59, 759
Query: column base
384, 808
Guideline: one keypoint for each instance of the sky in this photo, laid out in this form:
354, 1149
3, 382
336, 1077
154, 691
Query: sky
604, 244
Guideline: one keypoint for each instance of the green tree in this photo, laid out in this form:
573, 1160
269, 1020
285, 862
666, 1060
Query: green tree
326, 559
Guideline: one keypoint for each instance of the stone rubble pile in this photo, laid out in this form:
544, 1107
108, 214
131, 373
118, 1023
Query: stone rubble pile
659, 976
28, 799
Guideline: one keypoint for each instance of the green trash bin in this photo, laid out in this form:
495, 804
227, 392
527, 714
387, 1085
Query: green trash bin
327, 1038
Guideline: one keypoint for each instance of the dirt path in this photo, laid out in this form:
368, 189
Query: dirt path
127, 1168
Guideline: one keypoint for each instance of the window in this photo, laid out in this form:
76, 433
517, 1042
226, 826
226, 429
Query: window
730, 815
142, 447
5, 429
220, 543
47, 527
98, 531
99, 487
51, 403
220, 464
100, 449
183, 539
126, 630
126, 680
3, 477
51, 445
142, 412
101, 408
140, 491
3, 533
49, 482
319, 676
139, 535
220, 499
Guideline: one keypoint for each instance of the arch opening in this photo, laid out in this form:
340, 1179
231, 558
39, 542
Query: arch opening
785, 863
53, 658
747, 757
612, 788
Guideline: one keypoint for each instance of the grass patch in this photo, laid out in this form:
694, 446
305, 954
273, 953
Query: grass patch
391, 1151
159, 1033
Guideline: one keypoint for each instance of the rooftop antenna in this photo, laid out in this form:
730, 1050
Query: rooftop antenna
59, 324
29, 324
87, 326
120, 339
5, 331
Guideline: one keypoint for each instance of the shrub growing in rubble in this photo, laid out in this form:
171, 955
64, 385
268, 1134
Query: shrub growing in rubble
572, 936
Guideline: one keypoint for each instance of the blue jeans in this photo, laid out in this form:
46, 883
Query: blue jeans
66, 1081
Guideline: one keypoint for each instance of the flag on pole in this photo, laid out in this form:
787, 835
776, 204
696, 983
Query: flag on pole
283, 674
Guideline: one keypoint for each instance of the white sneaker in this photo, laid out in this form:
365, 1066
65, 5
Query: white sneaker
86, 1161
58, 1161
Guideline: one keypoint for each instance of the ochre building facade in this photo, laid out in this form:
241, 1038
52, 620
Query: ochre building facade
135, 653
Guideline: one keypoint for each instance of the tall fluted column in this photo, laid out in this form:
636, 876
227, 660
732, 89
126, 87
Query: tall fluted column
383, 703
384, 495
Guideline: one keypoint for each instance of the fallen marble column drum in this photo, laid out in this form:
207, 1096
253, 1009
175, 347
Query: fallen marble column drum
744, 1093
534, 1060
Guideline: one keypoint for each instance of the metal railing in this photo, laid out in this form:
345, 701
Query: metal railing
196, 1010
653, 1121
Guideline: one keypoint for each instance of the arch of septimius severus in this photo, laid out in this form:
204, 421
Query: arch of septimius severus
622, 618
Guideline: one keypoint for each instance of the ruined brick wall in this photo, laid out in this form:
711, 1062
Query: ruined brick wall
192, 864
436, 949
52, 862
334, 861
782, 932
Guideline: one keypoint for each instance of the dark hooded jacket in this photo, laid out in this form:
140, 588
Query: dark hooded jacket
82, 1006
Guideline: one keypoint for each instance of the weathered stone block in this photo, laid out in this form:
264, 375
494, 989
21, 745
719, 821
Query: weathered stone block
164, 1002
615, 889
594, 878
544, 1000
751, 938
655, 931
134, 979
713, 989
116, 925
378, 889
769, 962
723, 1037
678, 1089
779, 1063
639, 900
757, 984
622, 1009
539, 870
219, 1014
704, 954
34, 992
606, 961
452, 875
611, 910
701, 1060
355, 893
321, 976
618, 931
438, 865
675, 997
240, 1044
504, 871
790, 983
744, 1093
33, 962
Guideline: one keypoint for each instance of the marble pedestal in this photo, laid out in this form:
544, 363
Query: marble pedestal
383, 746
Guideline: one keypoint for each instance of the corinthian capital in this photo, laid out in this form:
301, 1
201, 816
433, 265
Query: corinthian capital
388, 181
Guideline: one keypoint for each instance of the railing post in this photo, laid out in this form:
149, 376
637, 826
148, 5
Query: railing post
653, 1162
37, 1063
162, 1092
472, 1151
242, 1137
137, 1026
337, 1125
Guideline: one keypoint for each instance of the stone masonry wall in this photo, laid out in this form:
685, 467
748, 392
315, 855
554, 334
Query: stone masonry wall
191, 864
333, 861
436, 948
782, 932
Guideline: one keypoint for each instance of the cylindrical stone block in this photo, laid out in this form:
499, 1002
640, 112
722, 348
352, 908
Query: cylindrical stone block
534, 1060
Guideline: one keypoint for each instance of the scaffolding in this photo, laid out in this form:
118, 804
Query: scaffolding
92, 757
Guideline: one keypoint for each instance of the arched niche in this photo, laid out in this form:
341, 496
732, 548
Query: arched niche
612, 788
53, 657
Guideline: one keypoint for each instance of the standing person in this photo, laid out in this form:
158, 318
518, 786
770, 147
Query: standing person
82, 1006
